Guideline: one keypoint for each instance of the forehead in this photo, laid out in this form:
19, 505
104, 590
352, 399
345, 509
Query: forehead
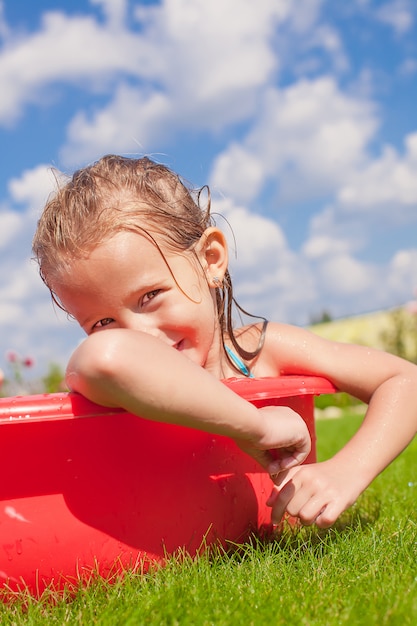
146, 250
125, 257
128, 245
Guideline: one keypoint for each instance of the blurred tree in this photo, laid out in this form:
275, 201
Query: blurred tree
401, 336
322, 318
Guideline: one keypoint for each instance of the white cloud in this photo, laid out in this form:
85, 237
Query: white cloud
69, 50
332, 232
408, 67
30, 325
27, 317
327, 38
114, 10
33, 187
238, 172
304, 15
19, 281
310, 131
343, 275
10, 312
257, 238
208, 63
131, 119
10, 225
387, 182
202, 54
219, 47
397, 14
324, 245
199, 66
402, 274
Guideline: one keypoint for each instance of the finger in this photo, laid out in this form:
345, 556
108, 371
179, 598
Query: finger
292, 460
317, 511
279, 463
310, 512
281, 477
292, 496
284, 459
278, 477
301, 454
272, 497
264, 458
279, 501
328, 516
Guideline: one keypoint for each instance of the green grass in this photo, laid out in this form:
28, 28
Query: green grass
362, 571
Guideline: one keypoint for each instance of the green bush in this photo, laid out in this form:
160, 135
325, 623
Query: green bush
342, 400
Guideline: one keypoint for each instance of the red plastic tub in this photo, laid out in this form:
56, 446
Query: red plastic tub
89, 489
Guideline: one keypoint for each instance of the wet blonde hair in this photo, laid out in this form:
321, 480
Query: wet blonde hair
123, 194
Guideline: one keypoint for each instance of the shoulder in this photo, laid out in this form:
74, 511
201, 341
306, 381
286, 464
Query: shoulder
280, 345
275, 332
292, 350
286, 335
250, 336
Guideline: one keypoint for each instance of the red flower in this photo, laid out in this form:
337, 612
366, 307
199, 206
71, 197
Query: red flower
12, 356
28, 361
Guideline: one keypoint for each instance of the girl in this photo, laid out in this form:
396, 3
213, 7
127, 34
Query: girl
126, 250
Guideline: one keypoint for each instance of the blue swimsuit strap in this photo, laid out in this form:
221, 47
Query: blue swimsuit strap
238, 362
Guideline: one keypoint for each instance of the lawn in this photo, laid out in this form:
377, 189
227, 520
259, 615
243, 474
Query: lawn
362, 571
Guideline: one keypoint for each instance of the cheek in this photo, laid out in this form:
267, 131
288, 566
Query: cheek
208, 316
196, 293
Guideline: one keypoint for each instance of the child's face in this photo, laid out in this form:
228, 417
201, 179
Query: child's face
126, 283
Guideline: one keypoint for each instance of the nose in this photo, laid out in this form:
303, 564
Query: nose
142, 323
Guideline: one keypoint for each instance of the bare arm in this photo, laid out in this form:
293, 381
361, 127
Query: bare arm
144, 376
319, 493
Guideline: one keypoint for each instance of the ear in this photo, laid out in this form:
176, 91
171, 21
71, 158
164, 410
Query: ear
211, 250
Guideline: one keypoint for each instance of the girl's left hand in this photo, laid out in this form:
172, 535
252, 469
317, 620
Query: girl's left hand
315, 494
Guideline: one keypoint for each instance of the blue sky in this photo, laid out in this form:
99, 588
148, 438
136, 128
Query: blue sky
300, 115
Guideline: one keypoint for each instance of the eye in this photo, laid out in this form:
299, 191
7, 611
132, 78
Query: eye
150, 295
104, 322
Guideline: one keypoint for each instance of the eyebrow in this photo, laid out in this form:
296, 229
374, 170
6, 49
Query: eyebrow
149, 285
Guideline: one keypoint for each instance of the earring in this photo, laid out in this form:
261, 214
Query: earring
216, 281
